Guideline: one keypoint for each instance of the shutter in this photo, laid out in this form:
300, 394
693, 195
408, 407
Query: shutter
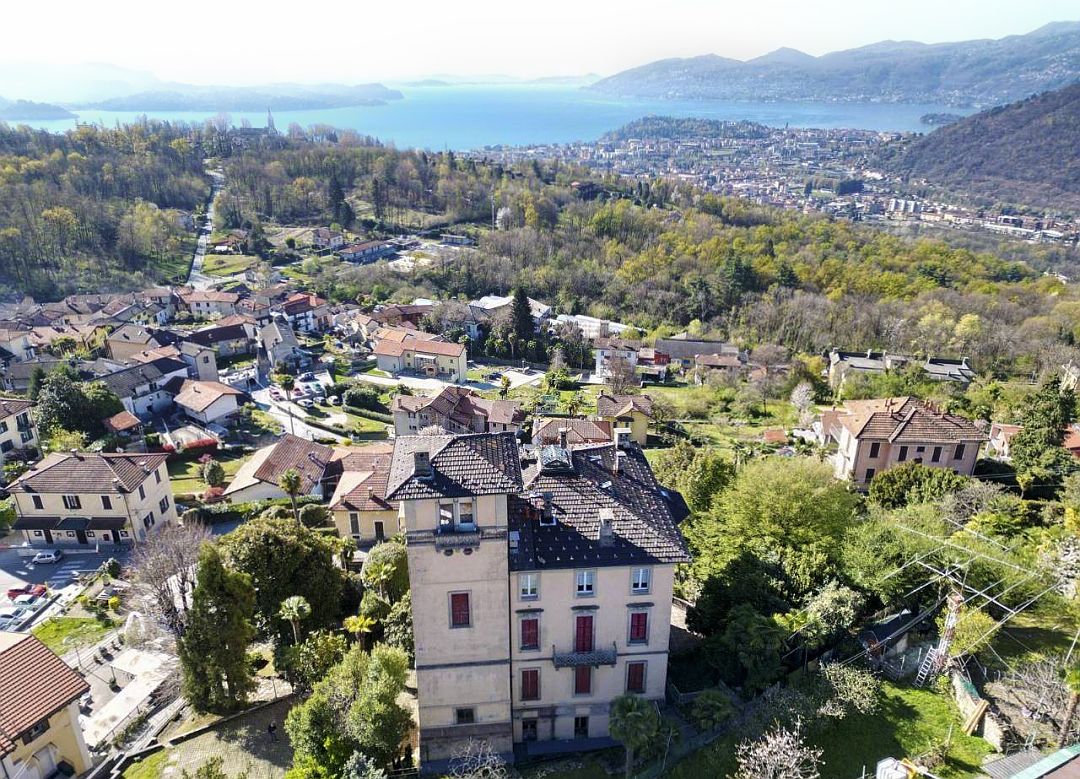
635, 677
582, 680
530, 685
459, 609
639, 626
583, 639
530, 633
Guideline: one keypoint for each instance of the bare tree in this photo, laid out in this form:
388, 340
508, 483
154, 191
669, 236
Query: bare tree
476, 760
621, 375
163, 567
802, 397
779, 754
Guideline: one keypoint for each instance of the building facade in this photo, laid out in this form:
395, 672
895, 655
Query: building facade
17, 428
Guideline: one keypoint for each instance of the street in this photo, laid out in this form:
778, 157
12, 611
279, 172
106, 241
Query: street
196, 278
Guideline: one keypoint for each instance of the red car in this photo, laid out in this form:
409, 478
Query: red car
37, 590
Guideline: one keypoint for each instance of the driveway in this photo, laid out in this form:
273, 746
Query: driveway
433, 386
279, 410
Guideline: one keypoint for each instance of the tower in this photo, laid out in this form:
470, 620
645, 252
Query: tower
270, 122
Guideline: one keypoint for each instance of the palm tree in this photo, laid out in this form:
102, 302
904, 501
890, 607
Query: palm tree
360, 625
288, 383
294, 610
290, 484
573, 404
635, 723
1072, 681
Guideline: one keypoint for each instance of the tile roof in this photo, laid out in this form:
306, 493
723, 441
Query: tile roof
234, 331
199, 395
308, 458
905, 420
646, 516
12, 406
125, 382
462, 466
410, 343
34, 684
88, 472
118, 423
364, 475
622, 405
136, 334
579, 431
208, 296
461, 405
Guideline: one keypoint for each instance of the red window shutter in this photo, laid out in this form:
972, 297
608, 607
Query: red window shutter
530, 685
582, 680
459, 609
584, 634
639, 626
635, 677
530, 633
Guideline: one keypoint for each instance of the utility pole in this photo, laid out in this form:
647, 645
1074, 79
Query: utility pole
936, 659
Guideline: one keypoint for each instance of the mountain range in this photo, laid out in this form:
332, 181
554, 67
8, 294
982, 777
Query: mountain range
1027, 152
974, 73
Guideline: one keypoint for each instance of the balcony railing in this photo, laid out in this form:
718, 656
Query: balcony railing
455, 538
594, 657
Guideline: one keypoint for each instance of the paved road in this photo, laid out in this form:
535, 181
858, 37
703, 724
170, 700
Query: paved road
280, 412
196, 278
432, 386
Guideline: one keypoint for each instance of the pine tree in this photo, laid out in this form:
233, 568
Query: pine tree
213, 650
521, 317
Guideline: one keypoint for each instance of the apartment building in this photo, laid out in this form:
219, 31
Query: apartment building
87, 498
875, 435
541, 587
426, 357
17, 428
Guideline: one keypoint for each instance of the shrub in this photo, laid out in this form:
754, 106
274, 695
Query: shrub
363, 397
711, 710
114, 604
112, 567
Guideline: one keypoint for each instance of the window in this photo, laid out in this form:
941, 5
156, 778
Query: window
380, 529
459, 610
72, 502
157, 476
7, 446
583, 633
464, 716
635, 677
3, 426
581, 727
142, 493
959, 453
639, 627
465, 514
640, 580
529, 586
354, 523
530, 684
529, 730
586, 583
106, 502
446, 516
869, 474
935, 457
875, 450
38, 729
37, 501
163, 504
582, 680
903, 454
530, 633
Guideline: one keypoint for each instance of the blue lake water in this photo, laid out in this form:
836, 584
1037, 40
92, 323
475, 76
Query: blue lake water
470, 117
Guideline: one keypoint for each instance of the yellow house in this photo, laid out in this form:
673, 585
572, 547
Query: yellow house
39, 711
426, 357
88, 498
626, 411
358, 504
17, 428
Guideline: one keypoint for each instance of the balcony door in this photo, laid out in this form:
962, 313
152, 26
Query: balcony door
583, 633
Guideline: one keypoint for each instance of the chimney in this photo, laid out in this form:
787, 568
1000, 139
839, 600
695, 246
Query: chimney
616, 462
547, 515
622, 437
422, 465
607, 526
603, 329
868, 353
564, 435
75, 453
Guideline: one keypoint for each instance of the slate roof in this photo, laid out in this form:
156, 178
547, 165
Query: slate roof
905, 420
622, 405
126, 382
646, 516
461, 404
462, 465
143, 336
308, 458
11, 406
234, 331
88, 472
34, 685
579, 431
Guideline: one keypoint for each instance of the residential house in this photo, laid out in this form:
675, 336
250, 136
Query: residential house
1000, 439
201, 361
606, 350
209, 303
538, 597
208, 402
17, 429
15, 344
566, 431
126, 341
86, 498
356, 480
356, 326
305, 313
431, 358
455, 410
492, 306
591, 327
258, 311
230, 337
844, 364
85, 336
684, 349
279, 349
15, 376
141, 387
40, 734
325, 238
875, 435
258, 477
626, 411
396, 314
366, 251
728, 365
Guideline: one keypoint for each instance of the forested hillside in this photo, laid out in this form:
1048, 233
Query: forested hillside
1024, 153
96, 209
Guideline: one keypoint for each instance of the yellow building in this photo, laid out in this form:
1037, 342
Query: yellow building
17, 428
88, 498
540, 595
356, 478
627, 411
39, 711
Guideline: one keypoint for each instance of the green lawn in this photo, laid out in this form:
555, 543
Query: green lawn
909, 722
185, 476
150, 767
228, 264
1045, 630
63, 634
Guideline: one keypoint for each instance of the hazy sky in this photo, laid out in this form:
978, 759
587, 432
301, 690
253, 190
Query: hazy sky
238, 42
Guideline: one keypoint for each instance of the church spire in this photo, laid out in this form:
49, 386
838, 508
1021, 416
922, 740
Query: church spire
270, 122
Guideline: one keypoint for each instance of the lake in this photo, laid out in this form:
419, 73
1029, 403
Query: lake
470, 117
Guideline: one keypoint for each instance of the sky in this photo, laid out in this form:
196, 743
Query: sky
353, 41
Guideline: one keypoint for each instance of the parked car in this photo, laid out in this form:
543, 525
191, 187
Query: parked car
11, 618
276, 394
309, 376
49, 556
334, 400
494, 376
305, 403
37, 590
